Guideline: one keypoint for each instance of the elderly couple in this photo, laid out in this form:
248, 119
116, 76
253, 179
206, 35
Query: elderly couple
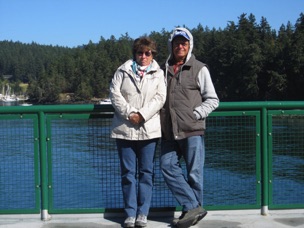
171, 103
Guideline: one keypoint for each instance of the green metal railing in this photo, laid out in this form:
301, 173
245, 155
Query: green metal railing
61, 159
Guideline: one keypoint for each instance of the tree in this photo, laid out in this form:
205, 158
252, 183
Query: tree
296, 78
247, 61
161, 39
271, 83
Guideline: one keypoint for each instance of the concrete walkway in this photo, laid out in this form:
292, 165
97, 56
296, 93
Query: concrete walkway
214, 219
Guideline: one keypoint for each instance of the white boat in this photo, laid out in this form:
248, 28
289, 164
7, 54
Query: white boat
105, 101
8, 97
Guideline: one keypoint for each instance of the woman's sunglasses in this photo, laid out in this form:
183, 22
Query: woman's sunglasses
147, 53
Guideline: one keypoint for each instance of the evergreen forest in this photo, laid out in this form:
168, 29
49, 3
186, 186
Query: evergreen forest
248, 61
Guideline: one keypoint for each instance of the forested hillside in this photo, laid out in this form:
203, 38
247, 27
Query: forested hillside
248, 61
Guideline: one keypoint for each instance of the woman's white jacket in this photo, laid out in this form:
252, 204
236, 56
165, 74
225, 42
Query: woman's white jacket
146, 96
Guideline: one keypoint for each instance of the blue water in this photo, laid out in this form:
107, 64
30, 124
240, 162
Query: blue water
84, 168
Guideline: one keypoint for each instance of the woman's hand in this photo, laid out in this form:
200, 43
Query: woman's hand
136, 118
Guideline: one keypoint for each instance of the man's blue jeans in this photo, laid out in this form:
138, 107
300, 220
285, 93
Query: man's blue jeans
133, 154
187, 191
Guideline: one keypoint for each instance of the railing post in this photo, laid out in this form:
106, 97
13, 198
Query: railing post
265, 178
43, 168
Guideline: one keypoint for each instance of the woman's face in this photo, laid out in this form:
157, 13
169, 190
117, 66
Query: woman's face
144, 57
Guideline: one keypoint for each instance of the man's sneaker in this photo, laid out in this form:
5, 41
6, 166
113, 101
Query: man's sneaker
200, 217
191, 217
175, 220
129, 222
141, 221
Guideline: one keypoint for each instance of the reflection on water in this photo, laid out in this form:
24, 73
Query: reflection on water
288, 159
17, 179
14, 103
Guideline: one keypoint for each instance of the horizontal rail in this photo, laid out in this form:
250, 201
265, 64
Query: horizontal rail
256, 105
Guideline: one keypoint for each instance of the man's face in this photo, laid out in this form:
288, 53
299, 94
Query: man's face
180, 46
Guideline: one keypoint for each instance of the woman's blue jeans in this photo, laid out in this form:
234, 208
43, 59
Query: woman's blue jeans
187, 191
135, 154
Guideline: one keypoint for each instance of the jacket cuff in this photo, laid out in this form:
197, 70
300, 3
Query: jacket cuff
197, 115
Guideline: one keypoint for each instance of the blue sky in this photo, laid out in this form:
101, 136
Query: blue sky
75, 22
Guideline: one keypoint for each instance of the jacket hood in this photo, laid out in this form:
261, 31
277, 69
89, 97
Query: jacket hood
180, 30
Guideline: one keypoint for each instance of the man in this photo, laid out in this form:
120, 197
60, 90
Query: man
191, 97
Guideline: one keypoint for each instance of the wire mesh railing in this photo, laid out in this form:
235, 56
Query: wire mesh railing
61, 159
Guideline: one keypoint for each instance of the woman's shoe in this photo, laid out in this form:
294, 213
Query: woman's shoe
129, 222
141, 221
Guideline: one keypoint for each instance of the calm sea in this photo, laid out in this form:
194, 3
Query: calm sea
84, 169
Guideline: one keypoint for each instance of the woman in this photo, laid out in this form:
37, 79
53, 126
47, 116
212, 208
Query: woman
137, 93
